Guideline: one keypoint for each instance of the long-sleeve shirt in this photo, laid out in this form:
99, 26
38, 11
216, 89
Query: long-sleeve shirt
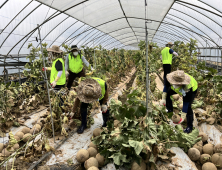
83, 60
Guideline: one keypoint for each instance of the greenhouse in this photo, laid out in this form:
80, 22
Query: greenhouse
108, 85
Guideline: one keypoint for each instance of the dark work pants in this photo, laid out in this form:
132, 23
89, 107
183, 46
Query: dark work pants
167, 70
72, 76
83, 111
169, 105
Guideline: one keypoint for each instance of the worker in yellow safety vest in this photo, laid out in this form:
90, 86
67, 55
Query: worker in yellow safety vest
91, 90
57, 76
185, 85
167, 54
74, 65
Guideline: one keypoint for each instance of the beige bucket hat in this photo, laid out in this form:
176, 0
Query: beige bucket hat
88, 91
170, 43
178, 78
54, 49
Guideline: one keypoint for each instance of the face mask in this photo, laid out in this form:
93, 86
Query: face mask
75, 53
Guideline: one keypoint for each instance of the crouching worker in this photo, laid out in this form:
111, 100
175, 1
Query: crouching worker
57, 76
89, 91
185, 85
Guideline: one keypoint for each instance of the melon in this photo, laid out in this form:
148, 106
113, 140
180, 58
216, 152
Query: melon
34, 130
7, 153
1, 147
91, 162
92, 152
217, 159
199, 146
205, 158
93, 168
97, 132
82, 155
25, 130
16, 146
218, 148
176, 118
92, 145
100, 160
26, 137
176, 97
194, 154
204, 136
135, 166
209, 166
17, 138
19, 134
37, 126
208, 149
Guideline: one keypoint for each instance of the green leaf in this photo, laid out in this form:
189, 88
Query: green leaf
138, 146
118, 158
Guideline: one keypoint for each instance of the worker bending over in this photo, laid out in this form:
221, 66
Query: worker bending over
186, 86
91, 90
167, 54
74, 65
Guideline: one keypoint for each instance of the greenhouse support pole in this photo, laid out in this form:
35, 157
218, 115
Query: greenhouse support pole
19, 73
217, 58
147, 72
47, 86
206, 54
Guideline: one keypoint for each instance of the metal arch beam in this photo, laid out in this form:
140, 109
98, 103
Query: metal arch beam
19, 24
112, 41
161, 40
158, 41
51, 17
127, 19
198, 21
16, 15
211, 6
200, 7
183, 38
85, 36
74, 38
95, 34
93, 38
63, 32
195, 27
4, 3
53, 29
72, 34
201, 36
199, 13
100, 39
167, 36
164, 18
31, 35
169, 26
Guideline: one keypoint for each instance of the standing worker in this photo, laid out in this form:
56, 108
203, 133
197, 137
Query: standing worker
184, 85
57, 76
167, 54
74, 65
89, 91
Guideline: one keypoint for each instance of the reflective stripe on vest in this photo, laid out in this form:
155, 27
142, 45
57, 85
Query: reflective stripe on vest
54, 73
193, 84
166, 56
102, 85
75, 64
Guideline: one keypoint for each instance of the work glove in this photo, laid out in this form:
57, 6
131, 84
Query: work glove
104, 108
53, 84
163, 101
46, 68
67, 73
71, 115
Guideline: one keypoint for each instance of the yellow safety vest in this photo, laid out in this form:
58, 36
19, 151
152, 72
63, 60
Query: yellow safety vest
166, 56
193, 84
102, 85
54, 73
75, 64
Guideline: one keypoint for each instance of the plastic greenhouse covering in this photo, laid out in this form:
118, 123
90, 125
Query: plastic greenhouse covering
111, 24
